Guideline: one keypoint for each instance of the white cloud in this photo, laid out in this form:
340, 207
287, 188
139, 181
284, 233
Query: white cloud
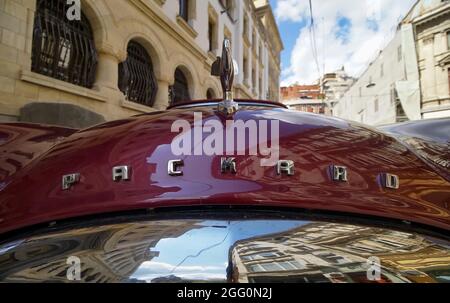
152, 270
360, 45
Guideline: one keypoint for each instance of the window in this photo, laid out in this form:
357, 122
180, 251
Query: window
449, 80
136, 77
184, 10
210, 95
245, 31
448, 40
63, 49
276, 267
399, 53
180, 90
212, 35
332, 258
382, 70
376, 105
245, 70
393, 95
213, 30
260, 88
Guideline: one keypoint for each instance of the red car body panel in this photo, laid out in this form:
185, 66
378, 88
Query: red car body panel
23, 143
34, 195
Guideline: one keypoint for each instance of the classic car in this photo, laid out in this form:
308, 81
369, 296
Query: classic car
306, 198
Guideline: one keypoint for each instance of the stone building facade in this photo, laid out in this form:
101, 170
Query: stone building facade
305, 98
410, 78
128, 57
432, 26
334, 85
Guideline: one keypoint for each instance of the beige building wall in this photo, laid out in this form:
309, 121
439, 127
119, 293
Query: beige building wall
170, 41
433, 48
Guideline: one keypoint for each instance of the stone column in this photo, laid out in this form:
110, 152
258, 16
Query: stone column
107, 72
108, 68
162, 96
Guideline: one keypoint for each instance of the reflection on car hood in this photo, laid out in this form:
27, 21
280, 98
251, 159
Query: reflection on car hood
206, 249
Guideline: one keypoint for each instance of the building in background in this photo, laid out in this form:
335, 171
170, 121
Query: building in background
431, 20
128, 57
300, 92
388, 86
334, 85
410, 78
305, 98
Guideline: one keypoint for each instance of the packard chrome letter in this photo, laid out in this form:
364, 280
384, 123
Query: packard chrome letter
286, 166
69, 180
228, 164
174, 167
121, 173
339, 173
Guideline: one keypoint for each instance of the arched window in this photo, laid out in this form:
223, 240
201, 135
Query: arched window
210, 94
136, 77
180, 90
63, 49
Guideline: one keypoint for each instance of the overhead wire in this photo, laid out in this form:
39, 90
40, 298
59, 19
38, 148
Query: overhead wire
312, 35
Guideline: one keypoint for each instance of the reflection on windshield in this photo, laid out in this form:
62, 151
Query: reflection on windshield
328, 252
226, 251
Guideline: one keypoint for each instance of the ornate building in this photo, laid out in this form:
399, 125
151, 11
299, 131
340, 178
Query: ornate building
432, 26
128, 57
108, 254
332, 252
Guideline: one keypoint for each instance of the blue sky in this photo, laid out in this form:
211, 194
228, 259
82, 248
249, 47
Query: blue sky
347, 33
289, 31
206, 248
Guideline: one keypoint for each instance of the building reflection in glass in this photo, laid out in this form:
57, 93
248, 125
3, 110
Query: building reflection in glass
331, 252
109, 254
258, 250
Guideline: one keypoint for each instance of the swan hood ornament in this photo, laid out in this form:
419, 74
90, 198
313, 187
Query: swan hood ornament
224, 68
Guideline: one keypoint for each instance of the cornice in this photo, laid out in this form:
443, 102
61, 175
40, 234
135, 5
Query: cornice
153, 11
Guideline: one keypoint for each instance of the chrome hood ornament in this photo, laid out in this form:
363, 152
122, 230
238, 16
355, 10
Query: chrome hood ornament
224, 68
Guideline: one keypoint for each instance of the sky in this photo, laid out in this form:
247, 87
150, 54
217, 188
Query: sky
348, 33
205, 253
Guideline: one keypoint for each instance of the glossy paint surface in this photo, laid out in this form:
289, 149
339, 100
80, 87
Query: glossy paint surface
430, 139
21, 143
208, 249
313, 142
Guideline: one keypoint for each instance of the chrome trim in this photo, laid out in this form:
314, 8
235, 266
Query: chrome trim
69, 180
391, 181
286, 166
214, 104
228, 165
227, 107
121, 173
339, 173
173, 167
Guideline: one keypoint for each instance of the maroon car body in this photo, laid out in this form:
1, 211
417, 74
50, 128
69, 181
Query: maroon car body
34, 158
209, 226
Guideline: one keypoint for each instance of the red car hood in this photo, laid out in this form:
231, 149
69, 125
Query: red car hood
34, 194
